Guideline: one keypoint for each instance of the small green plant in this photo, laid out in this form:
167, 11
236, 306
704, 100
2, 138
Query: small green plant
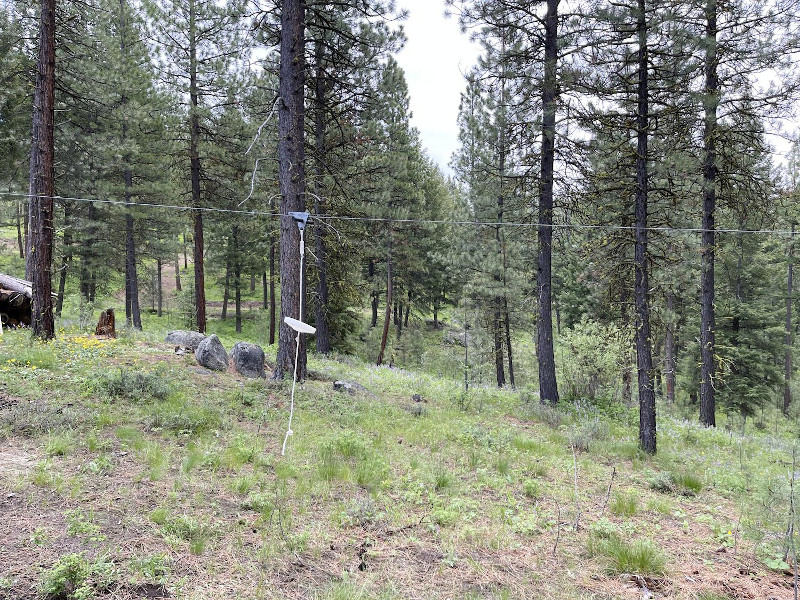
189, 529
624, 504
156, 457
531, 489
135, 385
184, 417
45, 476
98, 466
159, 515
243, 484
95, 444
688, 483
75, 577
358, 512
709, 595
59, 444
659, 505
39, 537
444, 517
544, 413
640, 557
259, 503
442, 480
681, 482
153, 567
503, 464
82, 524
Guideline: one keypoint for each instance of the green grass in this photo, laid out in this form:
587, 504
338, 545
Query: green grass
640, 557
624, 504
481, 476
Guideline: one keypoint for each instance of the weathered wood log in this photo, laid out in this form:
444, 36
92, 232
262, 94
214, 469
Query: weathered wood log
8, 282
105, 325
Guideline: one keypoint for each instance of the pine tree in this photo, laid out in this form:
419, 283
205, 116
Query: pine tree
203, 44
39, 251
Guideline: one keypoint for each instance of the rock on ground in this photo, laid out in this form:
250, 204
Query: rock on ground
248, 359
186, 339
211, 354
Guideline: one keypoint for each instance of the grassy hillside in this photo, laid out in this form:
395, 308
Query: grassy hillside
129, 472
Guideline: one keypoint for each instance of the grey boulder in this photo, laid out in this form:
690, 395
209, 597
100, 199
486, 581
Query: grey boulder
185, 339
248, 359
211, 354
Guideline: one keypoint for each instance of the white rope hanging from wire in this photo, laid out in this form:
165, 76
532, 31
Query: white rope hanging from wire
300, 218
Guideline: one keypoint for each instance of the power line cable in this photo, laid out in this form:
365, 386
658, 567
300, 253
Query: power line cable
464, 223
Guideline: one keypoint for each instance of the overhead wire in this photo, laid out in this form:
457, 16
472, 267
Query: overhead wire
455, 222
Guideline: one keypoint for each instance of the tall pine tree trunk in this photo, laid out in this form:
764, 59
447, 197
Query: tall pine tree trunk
226, 291
507, 321
548, 387
272, 301
787, 359
669, 349
707, 322
497, 335
39, 255
178, 275
627, 377
237, 279
644, 358
159, 286
194, 166
20, 239
66, 260
291, 175
265, 289
373, 322
323, 336
132, 310
388, 317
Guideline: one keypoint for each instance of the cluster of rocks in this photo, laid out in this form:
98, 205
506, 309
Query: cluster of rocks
248, 359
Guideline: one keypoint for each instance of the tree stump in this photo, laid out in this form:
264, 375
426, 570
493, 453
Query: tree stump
105, 326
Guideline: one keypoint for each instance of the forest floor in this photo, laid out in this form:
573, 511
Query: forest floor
129, 472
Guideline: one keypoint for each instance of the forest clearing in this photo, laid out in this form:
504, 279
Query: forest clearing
558, 363
130, 472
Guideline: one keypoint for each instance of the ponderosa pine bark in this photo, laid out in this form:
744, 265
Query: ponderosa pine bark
548, 387
291, 175
39, 257
644, 358
194, 168
272, 307
388, 316
66, 260
707, 324
132, 311
787, 359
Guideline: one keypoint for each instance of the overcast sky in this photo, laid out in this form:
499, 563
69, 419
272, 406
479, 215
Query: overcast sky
434, 59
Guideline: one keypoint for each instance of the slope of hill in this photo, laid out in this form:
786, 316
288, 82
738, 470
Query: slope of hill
129, 472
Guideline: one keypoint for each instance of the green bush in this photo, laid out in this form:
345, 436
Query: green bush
75, 577
590, 357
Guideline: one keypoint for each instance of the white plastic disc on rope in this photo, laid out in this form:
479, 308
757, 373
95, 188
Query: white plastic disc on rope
299, 326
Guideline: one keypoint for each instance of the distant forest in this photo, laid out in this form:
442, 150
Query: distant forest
618, 193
